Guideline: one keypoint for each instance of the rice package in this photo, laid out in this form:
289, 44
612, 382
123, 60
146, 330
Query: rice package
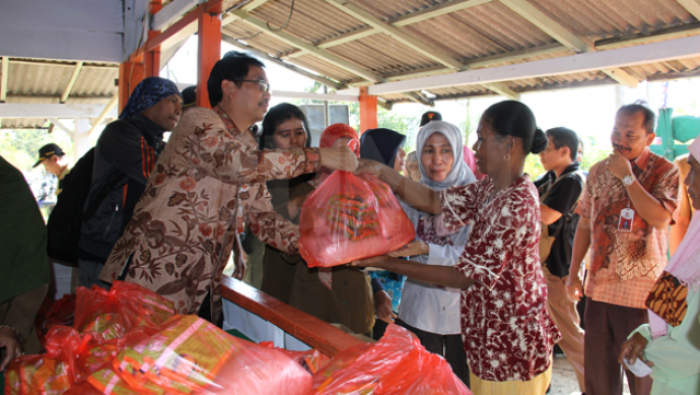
191, 356
351, 217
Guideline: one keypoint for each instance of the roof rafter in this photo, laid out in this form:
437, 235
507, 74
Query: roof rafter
299, 43
413, 43
253, 4
692, 6
103, 114
71, 81
503, 90
681, 48
563, 35
404, 20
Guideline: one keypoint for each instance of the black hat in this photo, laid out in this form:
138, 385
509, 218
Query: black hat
189, 96
48, 151
430, 116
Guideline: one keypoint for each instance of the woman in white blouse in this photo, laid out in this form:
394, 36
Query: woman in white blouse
430, 311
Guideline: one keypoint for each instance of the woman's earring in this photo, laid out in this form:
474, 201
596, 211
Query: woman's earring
506, 157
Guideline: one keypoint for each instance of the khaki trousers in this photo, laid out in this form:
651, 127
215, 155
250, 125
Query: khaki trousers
563, 312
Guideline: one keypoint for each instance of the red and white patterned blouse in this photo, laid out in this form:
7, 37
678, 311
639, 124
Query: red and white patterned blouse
508, 333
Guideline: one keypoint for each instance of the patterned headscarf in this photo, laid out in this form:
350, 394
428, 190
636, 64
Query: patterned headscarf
328, 137
338, 130
146, 94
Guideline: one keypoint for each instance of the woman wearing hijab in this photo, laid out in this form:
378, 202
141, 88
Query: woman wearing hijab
429, 311
384, 146
125, 155
284, 128
670, 343
340, 294
507, 331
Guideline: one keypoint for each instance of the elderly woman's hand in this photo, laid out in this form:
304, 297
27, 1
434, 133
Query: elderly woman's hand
632, 349
11, 344
338, 158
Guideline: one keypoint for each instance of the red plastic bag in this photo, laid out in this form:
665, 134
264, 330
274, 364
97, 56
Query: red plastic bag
311, 360
115, 312
52, 373
55, 313
351, 217
191, 356
397, 365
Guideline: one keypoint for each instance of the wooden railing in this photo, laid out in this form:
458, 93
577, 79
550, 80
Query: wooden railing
317, 334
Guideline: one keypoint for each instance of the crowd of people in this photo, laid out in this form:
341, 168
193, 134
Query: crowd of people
491, 282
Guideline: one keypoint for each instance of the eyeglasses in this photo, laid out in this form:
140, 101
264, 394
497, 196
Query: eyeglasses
262, 84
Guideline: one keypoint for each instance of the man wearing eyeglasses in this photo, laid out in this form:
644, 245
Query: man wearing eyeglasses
208, 181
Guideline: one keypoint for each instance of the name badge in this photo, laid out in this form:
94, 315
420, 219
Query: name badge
626, 218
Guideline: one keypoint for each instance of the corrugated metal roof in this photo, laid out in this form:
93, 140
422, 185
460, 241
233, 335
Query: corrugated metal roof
40, 81
475, 33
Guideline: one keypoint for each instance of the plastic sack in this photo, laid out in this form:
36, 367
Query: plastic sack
351, 217
191, 356
311, 360
397, 365
55, 313
115, 312
52, 373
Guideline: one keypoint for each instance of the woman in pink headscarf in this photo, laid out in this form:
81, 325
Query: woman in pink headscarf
670, 343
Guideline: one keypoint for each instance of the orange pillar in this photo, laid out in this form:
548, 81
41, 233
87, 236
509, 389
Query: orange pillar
152, 57
368, 110
209, 35
123, 90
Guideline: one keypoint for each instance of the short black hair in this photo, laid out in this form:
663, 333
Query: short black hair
649, 116
564, 137
233, 66
275, 117
513, 118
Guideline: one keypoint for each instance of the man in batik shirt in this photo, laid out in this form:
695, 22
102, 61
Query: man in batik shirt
626, 208
208, 181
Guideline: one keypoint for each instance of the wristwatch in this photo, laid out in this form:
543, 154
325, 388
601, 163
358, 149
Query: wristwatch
628, 180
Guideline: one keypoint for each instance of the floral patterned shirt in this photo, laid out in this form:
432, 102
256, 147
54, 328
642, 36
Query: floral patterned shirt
208, 180
625, 265
508, 333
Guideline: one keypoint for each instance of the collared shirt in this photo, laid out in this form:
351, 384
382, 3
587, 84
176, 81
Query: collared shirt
209, 178
625, 265
507, 330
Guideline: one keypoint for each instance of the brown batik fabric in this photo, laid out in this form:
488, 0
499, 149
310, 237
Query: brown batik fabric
668, 299
209, 180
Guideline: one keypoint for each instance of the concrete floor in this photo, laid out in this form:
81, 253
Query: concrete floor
564, 379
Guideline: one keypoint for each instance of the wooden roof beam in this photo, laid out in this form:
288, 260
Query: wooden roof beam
503, 90
413, 43
435, 11
253, 4
692, 6
681, 48
563, 35
301, 44
71, 82
4, 70
404, 20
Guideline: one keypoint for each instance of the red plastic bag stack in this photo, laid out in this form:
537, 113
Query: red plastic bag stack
351, 217
397, 365
191, 356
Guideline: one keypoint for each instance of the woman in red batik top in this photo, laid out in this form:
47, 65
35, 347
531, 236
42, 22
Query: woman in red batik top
508, 333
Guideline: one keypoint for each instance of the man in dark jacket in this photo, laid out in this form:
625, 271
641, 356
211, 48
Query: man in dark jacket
124, 157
